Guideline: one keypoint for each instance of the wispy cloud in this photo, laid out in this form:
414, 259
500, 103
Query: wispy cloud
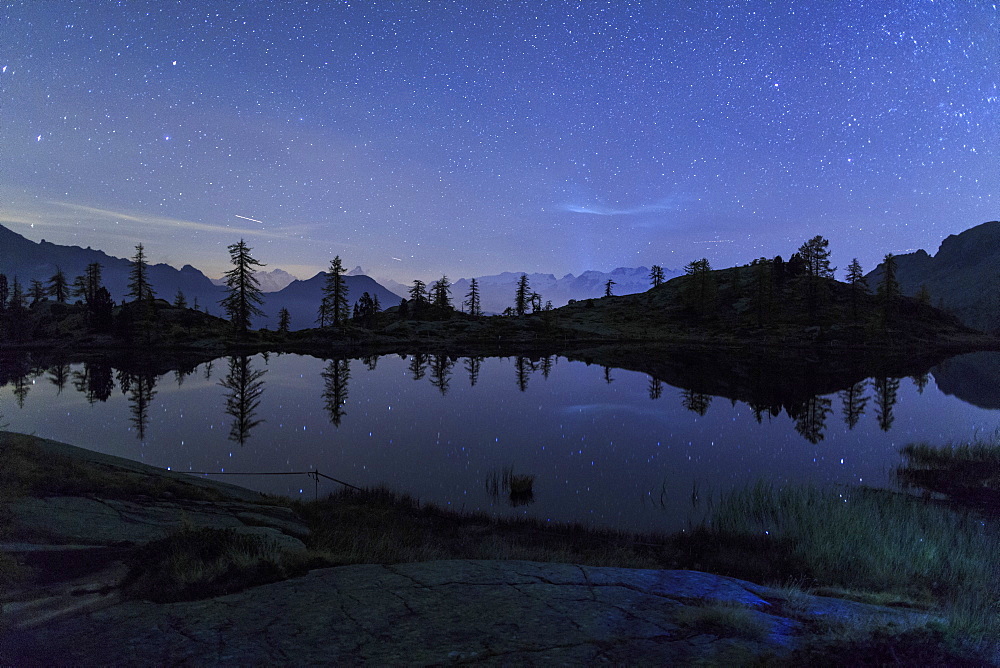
667, 204
172, 223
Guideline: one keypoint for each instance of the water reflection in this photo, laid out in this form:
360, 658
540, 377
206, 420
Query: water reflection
245, 386
609, 452
336, 375
140, 388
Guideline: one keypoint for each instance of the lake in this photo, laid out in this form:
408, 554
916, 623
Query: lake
606, 446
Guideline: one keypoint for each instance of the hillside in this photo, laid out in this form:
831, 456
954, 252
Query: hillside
963, 277
27, 260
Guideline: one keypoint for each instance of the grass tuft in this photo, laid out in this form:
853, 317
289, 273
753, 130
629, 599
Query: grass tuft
198, 563
722, 620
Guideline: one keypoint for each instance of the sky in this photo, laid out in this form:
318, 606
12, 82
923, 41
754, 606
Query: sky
423, 138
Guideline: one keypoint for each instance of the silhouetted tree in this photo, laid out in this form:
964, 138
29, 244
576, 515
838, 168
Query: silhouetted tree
335, 293
179, 300
4, 292
859, 287
284, 320
763, 291
59, 286
815, 255
656, 276
101, 310
336, 376
546, 365
472, 299
607, 287
245, 385
418, 298
245, 296
365, 310
700, 289
522, 296
888, 289
38, 292
440, 294
139, 288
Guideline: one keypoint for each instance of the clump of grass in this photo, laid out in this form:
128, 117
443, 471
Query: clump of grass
379, 526
969, 473
865, 538
198, 563
898, 547
725, 621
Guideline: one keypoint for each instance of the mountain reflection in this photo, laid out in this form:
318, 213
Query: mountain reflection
245, 385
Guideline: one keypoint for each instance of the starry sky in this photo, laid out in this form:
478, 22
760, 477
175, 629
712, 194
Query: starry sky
423, 138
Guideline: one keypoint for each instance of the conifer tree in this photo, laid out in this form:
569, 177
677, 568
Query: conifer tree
656, 276
37, 292
4, 292
139, 288
472, 299
59, 286
440, 294
888, 290
284, 320
607, 287
244, 296
859, 288
522, 297
335, 293
179, 300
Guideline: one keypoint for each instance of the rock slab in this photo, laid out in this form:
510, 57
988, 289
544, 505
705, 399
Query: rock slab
482, 612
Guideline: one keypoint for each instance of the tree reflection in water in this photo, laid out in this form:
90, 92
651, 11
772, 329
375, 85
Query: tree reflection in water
854, 401
245, 385
885, 398
140, 388
336, 375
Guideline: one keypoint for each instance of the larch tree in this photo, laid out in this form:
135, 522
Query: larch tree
859, 288
522, 296
284, 320
656, 276
335, 294
888, 291
244, 297
59, 286
607, 287
441, 294
472, 299
139, 288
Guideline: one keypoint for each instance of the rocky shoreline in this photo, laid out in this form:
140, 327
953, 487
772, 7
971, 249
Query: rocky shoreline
491, 612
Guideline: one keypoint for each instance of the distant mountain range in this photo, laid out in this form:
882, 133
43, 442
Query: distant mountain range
963, 277
497, 291
27, 260
270, 281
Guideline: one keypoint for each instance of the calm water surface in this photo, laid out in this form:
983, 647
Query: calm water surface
606, 447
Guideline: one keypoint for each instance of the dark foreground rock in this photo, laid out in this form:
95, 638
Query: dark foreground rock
483, 612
